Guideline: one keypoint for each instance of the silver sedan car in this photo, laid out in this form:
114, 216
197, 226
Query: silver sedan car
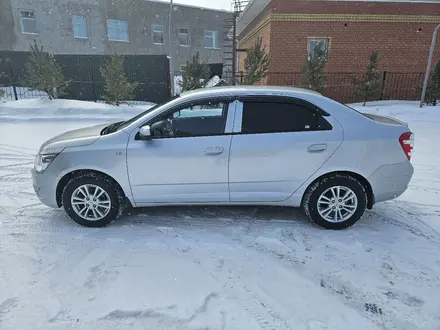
230, 146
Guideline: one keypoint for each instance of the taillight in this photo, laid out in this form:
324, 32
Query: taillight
407, 142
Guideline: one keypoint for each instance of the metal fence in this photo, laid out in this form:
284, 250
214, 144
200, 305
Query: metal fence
339, 85
151, 72
12, 91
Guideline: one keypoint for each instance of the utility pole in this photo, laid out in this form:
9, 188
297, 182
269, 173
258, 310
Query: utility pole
428, 67
170, 47
234, 50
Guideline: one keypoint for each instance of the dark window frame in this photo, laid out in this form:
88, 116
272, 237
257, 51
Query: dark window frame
157, 33
188, 44
325, 40
75, 19
320, 113
117, 28
23, 18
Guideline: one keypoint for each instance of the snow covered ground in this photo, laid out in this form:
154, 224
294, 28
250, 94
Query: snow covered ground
213, 267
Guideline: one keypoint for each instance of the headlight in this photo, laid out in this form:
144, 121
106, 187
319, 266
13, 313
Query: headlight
42, 161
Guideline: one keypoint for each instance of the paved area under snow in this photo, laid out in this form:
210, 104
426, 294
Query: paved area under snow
213, 267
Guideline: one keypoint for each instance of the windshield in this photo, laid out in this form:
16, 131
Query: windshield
140, 115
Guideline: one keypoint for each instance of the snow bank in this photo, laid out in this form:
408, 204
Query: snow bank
408, 111
23, 92
424, 188
44, 109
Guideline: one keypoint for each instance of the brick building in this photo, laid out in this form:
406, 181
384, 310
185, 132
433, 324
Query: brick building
350, 30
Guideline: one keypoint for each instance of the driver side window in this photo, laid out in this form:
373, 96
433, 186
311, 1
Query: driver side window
195, 119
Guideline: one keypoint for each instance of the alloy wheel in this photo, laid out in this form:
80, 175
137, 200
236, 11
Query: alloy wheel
91, 202
337, 204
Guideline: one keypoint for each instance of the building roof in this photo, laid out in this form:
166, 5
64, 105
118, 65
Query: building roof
167, 2
249, 13
255, 7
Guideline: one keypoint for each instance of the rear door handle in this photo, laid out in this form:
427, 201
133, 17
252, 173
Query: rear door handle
317, 147
214, 151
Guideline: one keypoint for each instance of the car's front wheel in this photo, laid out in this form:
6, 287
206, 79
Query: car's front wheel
335, 202
92, 200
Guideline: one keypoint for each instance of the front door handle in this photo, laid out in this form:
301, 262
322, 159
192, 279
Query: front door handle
214, 151
317, 147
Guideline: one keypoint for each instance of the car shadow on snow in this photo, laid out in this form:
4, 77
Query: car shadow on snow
212, 215
383, 220
186, 216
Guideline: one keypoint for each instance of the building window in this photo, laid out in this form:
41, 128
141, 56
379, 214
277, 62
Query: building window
79, 25
117, 30
317, 44
211, 39
158, 34
184, 37
28, 22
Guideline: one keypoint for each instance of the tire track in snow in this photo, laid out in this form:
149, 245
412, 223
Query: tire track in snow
6, 306
251, 302
417, 230
256, 291
17, 152
236, 289
11, 177
17, 166
14, 147
349, 295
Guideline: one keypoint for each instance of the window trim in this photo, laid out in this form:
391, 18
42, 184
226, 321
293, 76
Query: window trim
117, 20
86, 26
186, 34
215, 40
230, 115
277, 99
284, 99
155, 31
25, 18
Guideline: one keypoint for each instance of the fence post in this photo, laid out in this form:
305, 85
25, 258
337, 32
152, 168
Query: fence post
15, 92
428, 66
11, 79
384, 78
93, 85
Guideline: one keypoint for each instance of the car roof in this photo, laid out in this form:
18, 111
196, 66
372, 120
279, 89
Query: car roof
248, 90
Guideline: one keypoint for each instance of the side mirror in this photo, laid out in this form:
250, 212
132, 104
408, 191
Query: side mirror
145, 133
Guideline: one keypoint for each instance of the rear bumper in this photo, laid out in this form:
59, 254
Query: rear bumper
44, 188
391, 181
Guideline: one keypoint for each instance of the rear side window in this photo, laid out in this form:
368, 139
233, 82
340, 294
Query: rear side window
277, 117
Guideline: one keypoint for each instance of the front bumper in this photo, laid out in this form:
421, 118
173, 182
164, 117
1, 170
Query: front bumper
44, 187
391, 181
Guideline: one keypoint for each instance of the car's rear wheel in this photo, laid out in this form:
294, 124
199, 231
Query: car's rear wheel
92, 200
335, 202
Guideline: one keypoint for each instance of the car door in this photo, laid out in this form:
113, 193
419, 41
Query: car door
278, 144
186, 160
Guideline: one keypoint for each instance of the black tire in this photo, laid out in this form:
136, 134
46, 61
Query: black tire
114, 192
310, 203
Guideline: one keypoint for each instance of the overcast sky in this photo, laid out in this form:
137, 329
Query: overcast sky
217, 4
